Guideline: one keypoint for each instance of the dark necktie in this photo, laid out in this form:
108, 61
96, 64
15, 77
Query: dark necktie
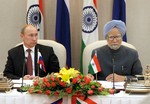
29, 63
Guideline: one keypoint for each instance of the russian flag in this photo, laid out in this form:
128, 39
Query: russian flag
41, 62
63, 27
119, 12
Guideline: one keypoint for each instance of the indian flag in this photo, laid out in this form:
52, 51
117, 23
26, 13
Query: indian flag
94, 66
59, 101
35, 16
87, 101
80, 101
89, 26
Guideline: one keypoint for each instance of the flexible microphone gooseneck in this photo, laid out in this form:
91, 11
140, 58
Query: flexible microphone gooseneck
24, 66
113, 62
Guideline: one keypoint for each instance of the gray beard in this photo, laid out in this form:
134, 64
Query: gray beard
114, 47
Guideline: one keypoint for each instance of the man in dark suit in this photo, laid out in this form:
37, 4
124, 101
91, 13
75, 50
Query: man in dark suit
17, 57
115, 58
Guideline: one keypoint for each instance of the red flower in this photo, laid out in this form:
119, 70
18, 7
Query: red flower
39, 92
56, 93
100, 89
90, 92
35, 83
53, 84
87, 80
45, 79
69, 90
111, 91
47, 84
52, 78
57, 79
93, 87
74, 80
47, 92
79, 76
30, 90
82, 83
62, 83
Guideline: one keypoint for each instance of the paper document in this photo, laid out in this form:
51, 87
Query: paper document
118, 85
18, 83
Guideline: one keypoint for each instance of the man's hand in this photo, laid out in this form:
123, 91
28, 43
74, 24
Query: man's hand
90, 76
117, 78
29, 77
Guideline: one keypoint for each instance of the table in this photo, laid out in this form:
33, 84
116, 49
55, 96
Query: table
119, 99
15, 97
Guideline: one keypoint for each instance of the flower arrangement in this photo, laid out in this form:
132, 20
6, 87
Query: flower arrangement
67, 82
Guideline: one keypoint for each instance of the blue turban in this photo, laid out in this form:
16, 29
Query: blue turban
114, 23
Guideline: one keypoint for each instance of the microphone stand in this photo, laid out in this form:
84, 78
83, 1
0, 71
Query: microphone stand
113, 62
24, 65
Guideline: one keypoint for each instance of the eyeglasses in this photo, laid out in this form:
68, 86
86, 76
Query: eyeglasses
111, 38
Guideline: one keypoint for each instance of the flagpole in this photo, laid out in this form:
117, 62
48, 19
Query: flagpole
94, 66
96, 77
96, 56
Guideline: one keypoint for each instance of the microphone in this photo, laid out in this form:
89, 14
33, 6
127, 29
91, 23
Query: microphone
113, 62
24, 66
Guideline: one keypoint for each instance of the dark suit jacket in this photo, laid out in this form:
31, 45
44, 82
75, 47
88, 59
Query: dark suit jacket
126, 61
16, 58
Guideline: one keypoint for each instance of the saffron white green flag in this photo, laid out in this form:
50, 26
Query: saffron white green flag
84, 101
89, 26
94, 66
80, 101
35, 16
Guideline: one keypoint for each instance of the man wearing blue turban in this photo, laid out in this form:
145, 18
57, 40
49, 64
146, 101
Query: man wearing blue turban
114, 57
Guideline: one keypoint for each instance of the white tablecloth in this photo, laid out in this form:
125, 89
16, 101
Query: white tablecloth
15, 97
118, 99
